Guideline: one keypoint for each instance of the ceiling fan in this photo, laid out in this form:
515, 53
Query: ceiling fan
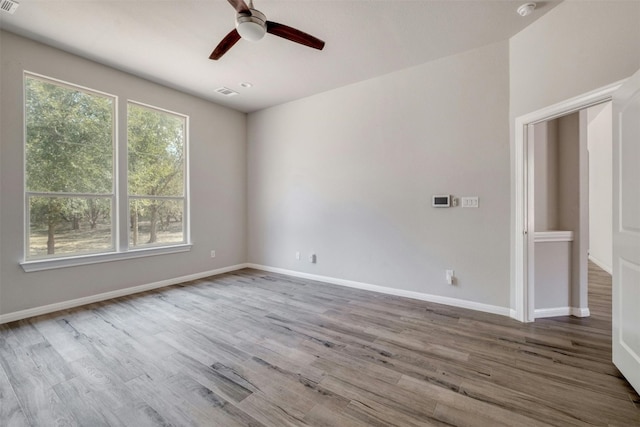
251, 24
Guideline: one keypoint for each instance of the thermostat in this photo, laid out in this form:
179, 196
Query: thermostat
441, 201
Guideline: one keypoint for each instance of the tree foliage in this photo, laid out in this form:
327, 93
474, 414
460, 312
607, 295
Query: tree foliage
70, 169
156, 166
69, 149
69, 139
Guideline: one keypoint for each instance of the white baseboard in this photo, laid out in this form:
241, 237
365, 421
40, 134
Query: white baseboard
504, 311
551, 312
560, 311
580, 311
601, 264
64, 305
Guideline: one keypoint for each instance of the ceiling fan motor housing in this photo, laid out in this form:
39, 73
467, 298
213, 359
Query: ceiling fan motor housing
251, 26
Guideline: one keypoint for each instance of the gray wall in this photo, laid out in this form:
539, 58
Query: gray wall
349, 174
600, 143
218, 182
568, 172
575, 48
553, 275
573, 214
546, 175
557, 174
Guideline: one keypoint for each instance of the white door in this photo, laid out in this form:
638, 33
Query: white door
626, 230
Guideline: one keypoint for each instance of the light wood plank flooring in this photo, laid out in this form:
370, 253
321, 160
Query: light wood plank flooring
251, 348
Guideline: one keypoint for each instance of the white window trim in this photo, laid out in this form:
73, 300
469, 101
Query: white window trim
121, 250
54, 263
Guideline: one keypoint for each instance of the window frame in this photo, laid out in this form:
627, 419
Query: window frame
186, 237
120, 250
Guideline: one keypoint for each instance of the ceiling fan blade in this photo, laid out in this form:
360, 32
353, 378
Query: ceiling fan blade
226, 44
240, 6
294, 35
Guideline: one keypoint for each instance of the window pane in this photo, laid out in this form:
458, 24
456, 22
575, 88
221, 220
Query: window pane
69, 139
69, 226
154, 221
156, 152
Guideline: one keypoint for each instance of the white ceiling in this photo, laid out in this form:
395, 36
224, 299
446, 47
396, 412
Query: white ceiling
169, 41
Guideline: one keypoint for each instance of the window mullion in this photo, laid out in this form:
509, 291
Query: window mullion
122, 200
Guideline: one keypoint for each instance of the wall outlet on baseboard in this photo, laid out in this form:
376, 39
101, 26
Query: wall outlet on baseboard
298, 255
213, 254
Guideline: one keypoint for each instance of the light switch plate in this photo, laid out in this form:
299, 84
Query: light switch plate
470, 202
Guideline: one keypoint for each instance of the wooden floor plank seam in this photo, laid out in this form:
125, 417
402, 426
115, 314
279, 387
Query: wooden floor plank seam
250, 348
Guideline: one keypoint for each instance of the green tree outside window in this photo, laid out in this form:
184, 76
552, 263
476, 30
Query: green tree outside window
69, 169
156, 148
70, 158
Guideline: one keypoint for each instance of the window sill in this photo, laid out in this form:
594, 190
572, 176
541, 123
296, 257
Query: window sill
50, 264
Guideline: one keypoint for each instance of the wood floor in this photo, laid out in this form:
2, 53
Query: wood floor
251, 348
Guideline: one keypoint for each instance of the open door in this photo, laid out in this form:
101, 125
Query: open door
626, 230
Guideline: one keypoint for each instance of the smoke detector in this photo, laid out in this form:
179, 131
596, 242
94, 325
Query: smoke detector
526, 9
8, 6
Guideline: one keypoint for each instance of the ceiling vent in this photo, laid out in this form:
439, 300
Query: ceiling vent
8, 6
225, 91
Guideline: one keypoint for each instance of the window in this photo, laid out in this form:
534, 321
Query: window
71, 196
69, 170
156, 176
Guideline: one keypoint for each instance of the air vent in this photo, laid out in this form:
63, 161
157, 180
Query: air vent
8, 6
226, 91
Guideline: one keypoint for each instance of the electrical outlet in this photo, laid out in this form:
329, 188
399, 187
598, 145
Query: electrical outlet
213, 254
313, 258
298, 255
450, 277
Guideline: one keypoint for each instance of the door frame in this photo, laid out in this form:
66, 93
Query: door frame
522, 232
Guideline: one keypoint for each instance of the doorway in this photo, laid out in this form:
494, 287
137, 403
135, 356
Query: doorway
571, 183
524, 230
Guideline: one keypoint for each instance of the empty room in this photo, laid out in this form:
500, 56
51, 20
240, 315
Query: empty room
319, 213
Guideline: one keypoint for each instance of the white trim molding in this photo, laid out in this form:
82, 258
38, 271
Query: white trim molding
552, 236
523, 291
580, 312
455, 302
540, 313
561, 311
601, 264
65, 305
72, 261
